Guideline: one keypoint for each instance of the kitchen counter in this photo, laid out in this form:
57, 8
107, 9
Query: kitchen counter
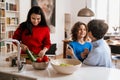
84, 73
113, 42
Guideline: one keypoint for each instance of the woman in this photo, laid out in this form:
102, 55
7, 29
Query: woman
79, 47
34, 32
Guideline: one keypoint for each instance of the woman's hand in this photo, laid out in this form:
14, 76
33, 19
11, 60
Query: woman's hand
23, 47
42, 52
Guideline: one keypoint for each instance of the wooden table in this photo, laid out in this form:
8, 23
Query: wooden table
114, 45
65, 42
115, 49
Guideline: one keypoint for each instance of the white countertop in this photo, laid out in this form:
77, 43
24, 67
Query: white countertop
84, 73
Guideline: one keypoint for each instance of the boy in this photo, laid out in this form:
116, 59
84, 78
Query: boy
100, 54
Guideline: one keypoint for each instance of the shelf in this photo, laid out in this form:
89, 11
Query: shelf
12, 25
112, 34
2, 5
9, 21
2, 17
10, 11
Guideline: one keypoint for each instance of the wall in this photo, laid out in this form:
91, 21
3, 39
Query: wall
62, 7
24, 7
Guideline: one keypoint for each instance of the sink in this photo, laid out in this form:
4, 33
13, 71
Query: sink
11, 73
8, 76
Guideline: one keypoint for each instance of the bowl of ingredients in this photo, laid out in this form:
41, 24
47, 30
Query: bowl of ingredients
66, 66
41, 63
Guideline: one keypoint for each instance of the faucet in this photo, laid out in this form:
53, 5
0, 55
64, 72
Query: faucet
19, 63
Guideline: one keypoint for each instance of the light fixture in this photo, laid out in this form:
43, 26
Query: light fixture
85, 12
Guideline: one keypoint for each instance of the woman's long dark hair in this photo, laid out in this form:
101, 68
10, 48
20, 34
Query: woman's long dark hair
28, 25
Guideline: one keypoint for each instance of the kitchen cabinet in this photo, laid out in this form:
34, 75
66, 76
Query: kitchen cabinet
7, 76
9, 20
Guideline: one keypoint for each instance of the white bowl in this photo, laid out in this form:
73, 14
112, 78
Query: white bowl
66, 66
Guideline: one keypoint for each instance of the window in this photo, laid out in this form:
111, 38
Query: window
108, 10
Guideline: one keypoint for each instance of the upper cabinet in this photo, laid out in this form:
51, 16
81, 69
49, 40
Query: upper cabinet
9, 20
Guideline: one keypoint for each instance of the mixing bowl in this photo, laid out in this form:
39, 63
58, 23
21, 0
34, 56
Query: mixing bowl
40, 65
66, 66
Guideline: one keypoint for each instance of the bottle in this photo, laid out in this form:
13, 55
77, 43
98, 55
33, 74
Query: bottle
33, 59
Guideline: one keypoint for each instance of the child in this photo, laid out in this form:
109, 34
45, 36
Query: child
100, 54
79, 47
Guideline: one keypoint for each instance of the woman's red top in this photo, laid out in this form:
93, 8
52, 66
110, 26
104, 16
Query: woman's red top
39, 38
